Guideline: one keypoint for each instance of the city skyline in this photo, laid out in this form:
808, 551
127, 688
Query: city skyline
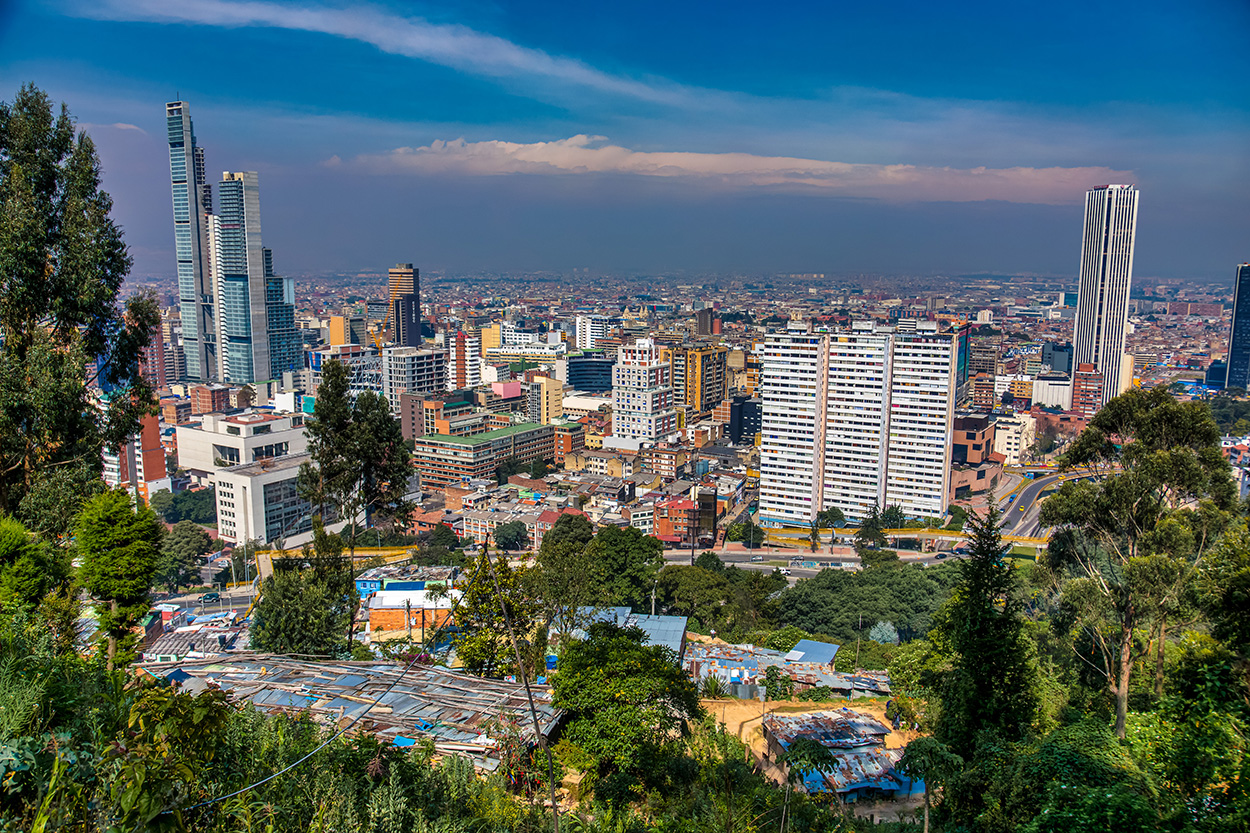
537, 140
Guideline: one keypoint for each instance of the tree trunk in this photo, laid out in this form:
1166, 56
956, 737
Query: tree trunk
112, 648
1163, 638
926, 808
1126, 670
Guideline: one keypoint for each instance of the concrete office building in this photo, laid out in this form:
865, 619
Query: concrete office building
1238, 373
412, 370
544, 400
589, 372
404, 282
591, 328
642, 396
1104, 284
196, 294
218, 441
259, 501
700, 376
856, 417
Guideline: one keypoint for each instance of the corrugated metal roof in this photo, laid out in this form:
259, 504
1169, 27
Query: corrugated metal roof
448, 707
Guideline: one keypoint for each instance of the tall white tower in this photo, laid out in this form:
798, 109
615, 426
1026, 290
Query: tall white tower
1103, 290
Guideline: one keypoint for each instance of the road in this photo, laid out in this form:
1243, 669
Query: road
1022, 516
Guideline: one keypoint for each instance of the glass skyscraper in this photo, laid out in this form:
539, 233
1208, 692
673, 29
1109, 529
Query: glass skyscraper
195, 282
1103, 290
1239, 339
259, 339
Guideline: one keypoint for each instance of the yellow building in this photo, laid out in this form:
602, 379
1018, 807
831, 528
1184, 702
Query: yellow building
549, 394
700, 375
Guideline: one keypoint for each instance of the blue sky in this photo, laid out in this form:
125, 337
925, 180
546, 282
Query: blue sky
835, 137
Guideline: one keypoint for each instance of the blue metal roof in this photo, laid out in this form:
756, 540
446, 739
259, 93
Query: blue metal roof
808, 650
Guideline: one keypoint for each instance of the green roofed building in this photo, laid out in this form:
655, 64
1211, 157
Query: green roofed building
444, 460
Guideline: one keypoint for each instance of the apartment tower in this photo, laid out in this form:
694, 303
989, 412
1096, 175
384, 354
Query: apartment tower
1104, 284
854, 418
642, 396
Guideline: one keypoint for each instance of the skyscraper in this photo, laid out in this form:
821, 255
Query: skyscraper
853, 418
259, 340
405, 283
1104, 284
1239, 339
196, 296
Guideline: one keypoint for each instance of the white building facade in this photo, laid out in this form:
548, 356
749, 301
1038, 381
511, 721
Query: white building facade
220, 441
642, 396
854, 418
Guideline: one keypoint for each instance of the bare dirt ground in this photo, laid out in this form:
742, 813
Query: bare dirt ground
744, 718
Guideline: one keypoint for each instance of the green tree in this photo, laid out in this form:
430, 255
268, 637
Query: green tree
161, 502
483, 644
29, 568
626, 701
927, 759
746, 532
778, 684
571, 528
869, 534
508, 468
993, 683
805, 756
512, 536
831, 518
566, 582
61, 327
693, 591
628, 563
709, 561
813, 537
298, 614
539, 469
360, 465
884, 632
893, 518
444, 536
179, 565
1160, 490
120, 549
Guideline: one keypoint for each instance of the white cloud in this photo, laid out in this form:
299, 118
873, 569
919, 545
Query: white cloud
117, 125
450, 45
583, 154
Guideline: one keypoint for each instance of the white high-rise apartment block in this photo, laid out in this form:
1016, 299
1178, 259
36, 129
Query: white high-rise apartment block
412, 370
642, 396
464, 359
1103, 289
591, 328
853, 418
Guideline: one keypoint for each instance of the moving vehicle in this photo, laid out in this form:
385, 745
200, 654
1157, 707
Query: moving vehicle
209, 598
755, 558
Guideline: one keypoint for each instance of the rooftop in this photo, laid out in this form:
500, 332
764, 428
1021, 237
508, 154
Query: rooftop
451, 709
268, 465
485, 437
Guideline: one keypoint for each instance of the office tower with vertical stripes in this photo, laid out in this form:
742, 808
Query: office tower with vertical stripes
1103, 288
856, 417
1238, 375
196, 295
259, 339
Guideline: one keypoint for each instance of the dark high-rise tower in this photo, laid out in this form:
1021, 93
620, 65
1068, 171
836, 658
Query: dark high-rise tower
404, 280
1239, 339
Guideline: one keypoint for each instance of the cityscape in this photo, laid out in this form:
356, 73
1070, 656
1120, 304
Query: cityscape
511, 484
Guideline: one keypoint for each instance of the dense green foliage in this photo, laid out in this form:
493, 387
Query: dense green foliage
309, 603
843, 603
120, 549
512, 536
62, 263
179, 565
199, 506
